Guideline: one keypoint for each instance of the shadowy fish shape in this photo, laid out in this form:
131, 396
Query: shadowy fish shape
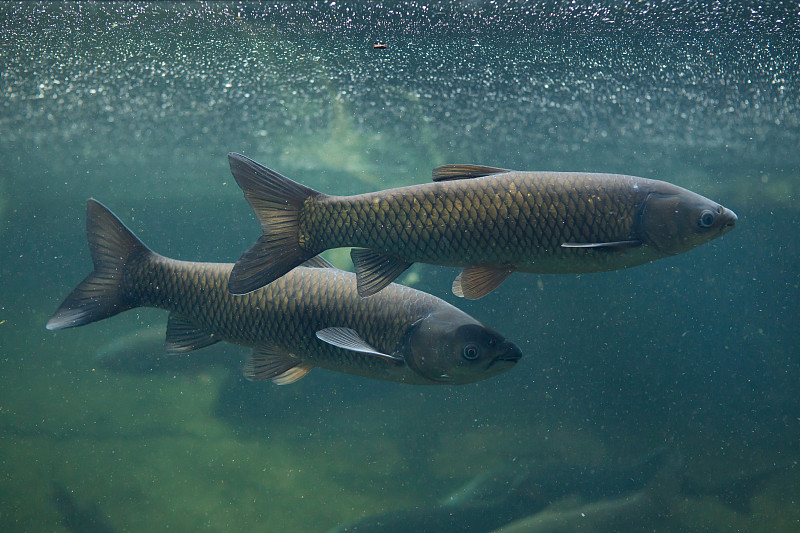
141, 351
643, 511
311, 317
491, 221
77, 517
494, 499
565, 497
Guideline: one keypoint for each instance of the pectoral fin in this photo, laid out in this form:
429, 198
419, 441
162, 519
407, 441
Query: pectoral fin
464, 172
477, 281
610, 245
374, 271
273, 362
349, 339
184, 336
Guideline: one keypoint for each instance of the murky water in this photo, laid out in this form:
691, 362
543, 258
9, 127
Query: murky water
137, 105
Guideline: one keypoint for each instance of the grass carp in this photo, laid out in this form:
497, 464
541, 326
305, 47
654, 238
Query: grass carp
491, 221
311, 317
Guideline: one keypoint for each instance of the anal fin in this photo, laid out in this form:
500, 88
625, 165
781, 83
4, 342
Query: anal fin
272, 362
479, 280
374, 270
184, 336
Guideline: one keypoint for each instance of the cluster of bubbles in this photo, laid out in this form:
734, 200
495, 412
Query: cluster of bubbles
546, 84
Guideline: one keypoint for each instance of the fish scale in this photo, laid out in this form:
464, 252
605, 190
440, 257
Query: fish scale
420, 226
490, 221
311, 317
286, 313
282, 312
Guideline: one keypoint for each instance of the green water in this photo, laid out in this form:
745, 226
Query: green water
137, 105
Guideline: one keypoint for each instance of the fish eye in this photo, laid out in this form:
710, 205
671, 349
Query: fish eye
471, 352
706, 219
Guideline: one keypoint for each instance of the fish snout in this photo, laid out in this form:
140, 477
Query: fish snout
512, 353
733, 218
729, 220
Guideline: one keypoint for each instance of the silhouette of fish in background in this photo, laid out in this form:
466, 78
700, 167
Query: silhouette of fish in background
568, 498
641, 511
143, 351
737, 490
314, 317
492, 500
79, 518
647, 509
491, 221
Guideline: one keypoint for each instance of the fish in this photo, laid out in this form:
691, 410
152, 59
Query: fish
735, 491
494, 499
489, 221
141, 351
313, 317
642, 511
77, 517
646, 509
581, 497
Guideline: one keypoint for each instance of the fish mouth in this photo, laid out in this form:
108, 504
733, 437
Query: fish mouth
732, 220
728, 223
512, 355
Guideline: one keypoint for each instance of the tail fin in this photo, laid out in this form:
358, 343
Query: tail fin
277, 202
100, 295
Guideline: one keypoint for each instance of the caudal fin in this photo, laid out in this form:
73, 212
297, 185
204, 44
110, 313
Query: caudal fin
277, 202
113, 247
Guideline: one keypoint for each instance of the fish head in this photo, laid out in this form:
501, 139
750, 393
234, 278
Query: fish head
450, 347
675, 220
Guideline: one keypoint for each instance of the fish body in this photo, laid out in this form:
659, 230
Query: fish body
77, 517
141, 351
646, 509
492, 222
311, 317
639, 512
493, 499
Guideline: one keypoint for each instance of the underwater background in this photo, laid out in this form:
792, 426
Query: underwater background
137, 105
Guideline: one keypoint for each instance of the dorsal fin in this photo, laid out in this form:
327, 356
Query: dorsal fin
463, 172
